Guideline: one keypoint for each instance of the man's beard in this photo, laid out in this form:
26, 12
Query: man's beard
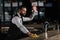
22, 15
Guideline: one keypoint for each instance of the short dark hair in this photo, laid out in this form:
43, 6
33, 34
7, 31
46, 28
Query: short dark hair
20, 8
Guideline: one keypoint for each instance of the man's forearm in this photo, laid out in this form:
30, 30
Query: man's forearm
23, 29
28, 18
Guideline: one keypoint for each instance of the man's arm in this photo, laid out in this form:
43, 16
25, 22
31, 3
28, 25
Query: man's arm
18, 23
29, 18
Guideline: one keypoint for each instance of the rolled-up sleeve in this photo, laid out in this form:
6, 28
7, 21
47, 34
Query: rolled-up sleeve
18, 22
29, 18
26, 19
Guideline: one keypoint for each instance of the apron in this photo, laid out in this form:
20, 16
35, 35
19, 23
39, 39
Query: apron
15, 33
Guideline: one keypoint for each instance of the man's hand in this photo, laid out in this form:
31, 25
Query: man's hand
33, 35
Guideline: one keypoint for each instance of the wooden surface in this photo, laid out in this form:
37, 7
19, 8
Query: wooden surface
52, 35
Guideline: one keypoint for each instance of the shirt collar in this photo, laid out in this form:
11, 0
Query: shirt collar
18, 14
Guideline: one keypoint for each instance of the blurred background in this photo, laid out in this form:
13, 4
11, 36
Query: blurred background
48, 10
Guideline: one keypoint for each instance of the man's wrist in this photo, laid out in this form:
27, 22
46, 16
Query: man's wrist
29, 33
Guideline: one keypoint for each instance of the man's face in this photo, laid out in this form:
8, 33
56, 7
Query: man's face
23, 11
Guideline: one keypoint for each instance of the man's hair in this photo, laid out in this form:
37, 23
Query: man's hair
20, 8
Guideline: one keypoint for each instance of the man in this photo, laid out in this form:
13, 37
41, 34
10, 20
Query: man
18, 21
